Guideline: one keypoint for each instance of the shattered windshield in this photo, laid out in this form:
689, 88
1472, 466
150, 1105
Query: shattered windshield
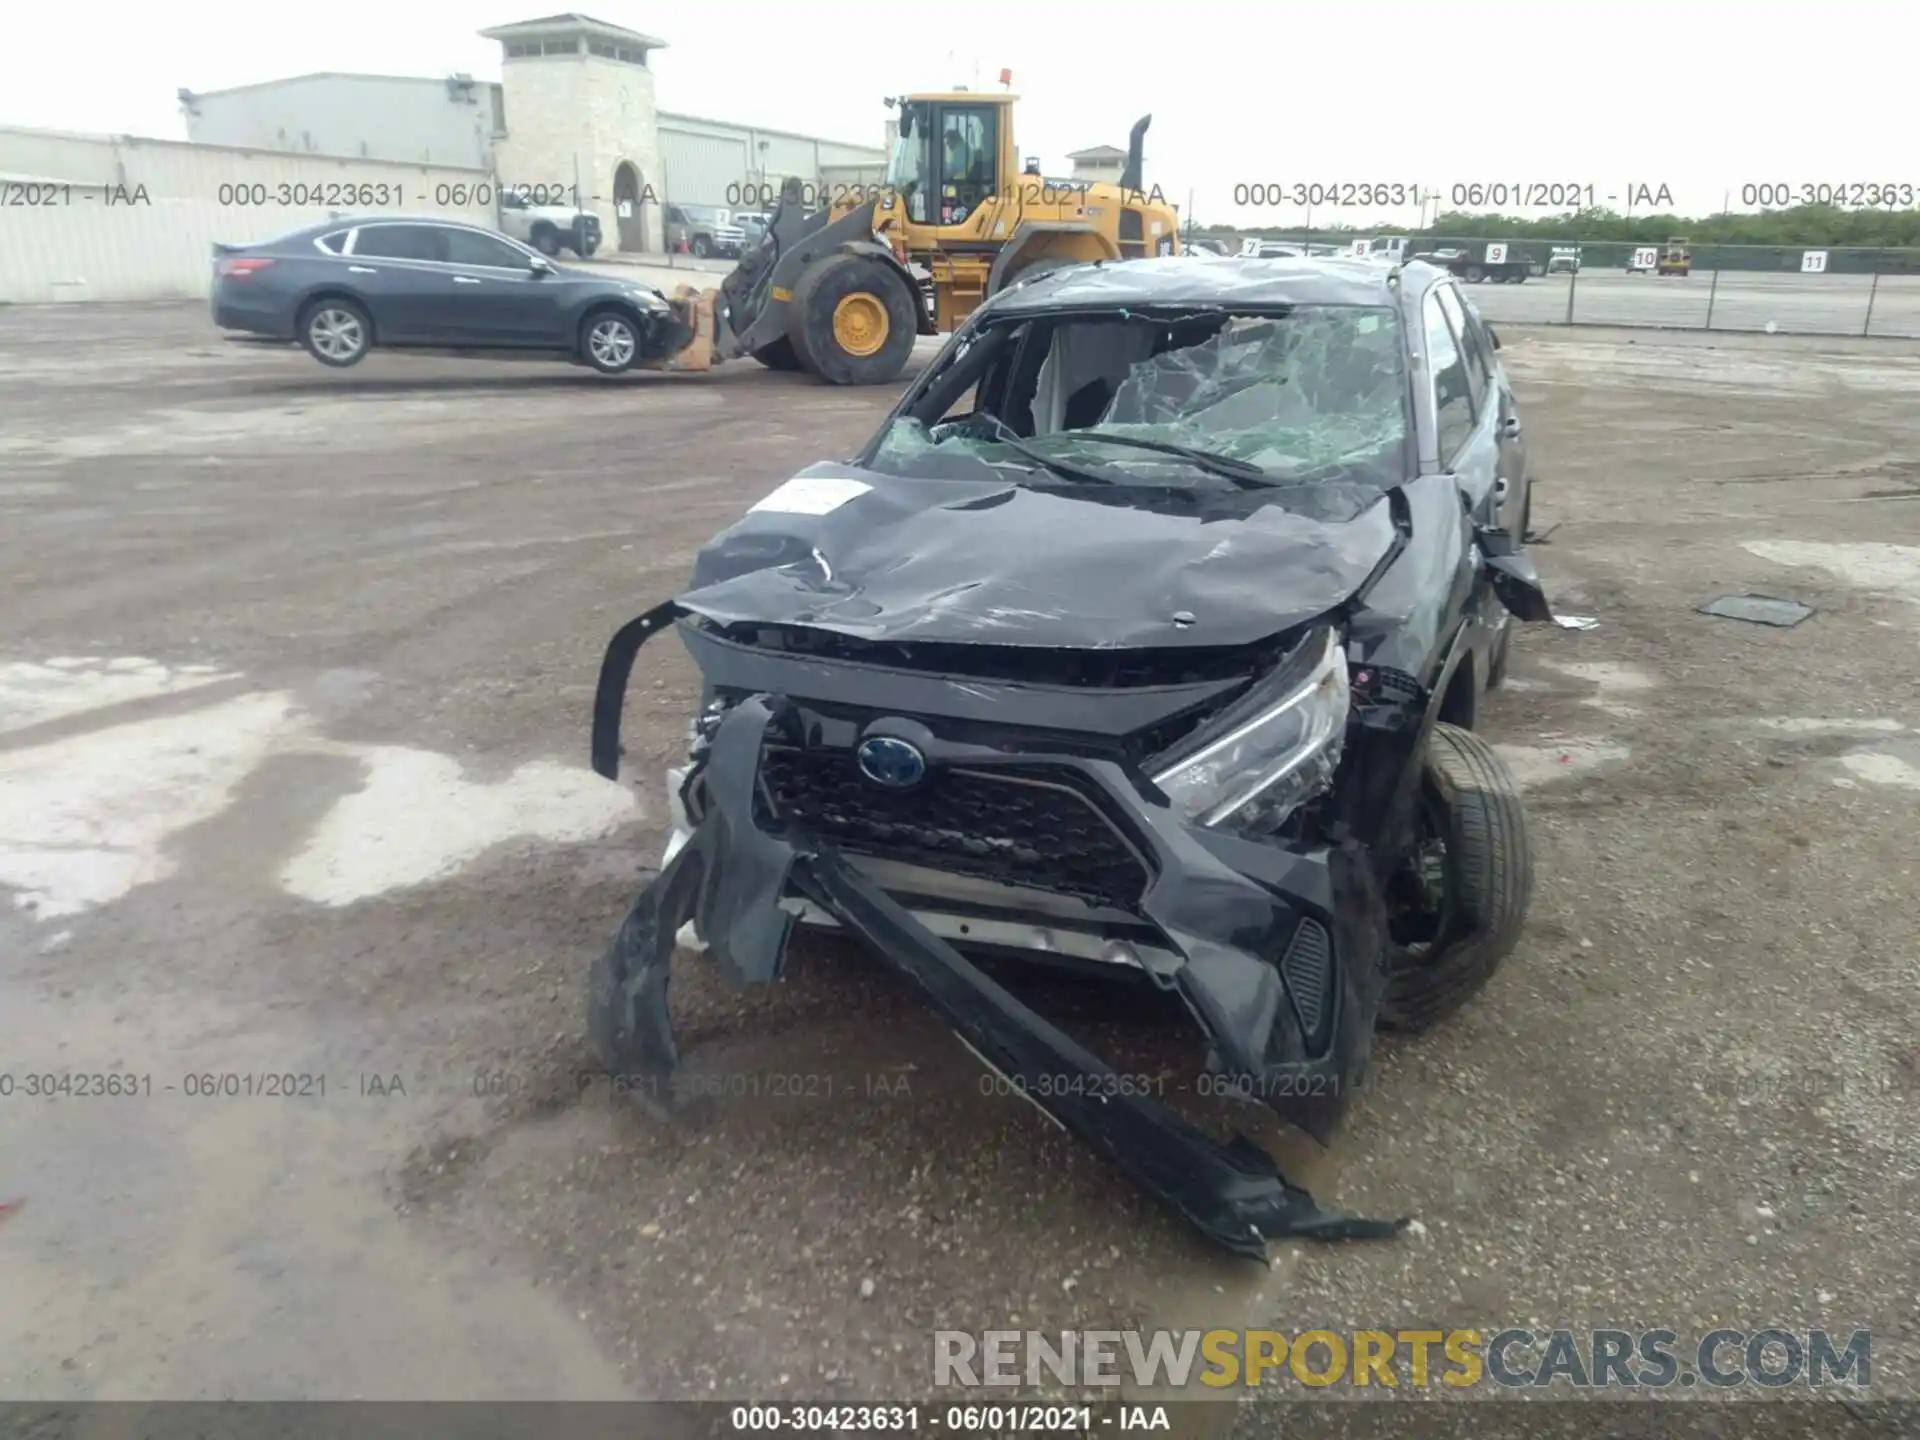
1305, 408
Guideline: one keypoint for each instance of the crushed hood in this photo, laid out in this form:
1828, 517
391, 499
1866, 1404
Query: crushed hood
882, 557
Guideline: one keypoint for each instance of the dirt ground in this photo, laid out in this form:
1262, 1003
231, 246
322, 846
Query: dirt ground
294, 681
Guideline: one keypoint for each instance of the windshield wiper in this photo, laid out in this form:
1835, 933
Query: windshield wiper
1243, 473
1003, 434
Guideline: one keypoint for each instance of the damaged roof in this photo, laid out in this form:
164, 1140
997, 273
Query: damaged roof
1213, 280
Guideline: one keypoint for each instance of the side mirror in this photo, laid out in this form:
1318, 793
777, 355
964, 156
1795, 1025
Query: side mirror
540, 265
1515, 582
1494, 336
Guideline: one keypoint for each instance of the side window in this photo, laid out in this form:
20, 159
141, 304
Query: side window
470, 247
335, 243
399, 242
1479, 372
1452, 390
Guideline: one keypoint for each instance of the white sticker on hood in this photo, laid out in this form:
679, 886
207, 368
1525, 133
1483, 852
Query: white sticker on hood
812, 495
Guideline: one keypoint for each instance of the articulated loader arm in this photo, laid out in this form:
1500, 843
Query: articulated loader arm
753, 311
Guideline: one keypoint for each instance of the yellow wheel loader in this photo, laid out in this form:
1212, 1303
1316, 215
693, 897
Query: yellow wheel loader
840, 287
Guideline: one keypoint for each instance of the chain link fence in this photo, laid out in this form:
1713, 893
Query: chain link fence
1797, 290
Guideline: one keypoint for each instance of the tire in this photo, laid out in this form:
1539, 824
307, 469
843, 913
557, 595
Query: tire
779, 355
602, 345
1475, 275
547, 242
337, 332
1474, 801
702, 247
873, 302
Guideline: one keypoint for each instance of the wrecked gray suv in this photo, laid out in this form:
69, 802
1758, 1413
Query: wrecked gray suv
1149, 632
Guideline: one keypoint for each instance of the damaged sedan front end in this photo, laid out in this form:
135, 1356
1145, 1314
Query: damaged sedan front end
1137, 665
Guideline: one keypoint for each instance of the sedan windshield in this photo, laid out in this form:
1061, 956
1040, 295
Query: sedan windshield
1310, 399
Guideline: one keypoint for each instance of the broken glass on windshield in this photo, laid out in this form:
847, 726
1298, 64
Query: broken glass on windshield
1310, 399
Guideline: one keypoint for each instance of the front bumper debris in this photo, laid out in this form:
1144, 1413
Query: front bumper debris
731, 876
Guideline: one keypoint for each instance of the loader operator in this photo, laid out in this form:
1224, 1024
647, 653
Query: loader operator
966, 177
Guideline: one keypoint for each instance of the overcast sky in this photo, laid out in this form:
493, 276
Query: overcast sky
1698, 96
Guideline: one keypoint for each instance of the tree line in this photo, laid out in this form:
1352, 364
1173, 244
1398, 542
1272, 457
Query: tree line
1830, 226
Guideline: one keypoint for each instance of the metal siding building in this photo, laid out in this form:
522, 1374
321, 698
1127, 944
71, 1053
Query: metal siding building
703, 165
141, 216
376, 117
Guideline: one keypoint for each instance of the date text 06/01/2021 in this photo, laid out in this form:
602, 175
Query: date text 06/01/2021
1462, 195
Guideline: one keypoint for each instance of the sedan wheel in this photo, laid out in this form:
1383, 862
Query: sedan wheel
612, 343
335, 333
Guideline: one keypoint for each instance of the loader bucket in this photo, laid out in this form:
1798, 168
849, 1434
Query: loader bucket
694, 309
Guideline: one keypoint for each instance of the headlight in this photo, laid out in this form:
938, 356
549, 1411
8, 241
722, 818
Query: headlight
1254, 776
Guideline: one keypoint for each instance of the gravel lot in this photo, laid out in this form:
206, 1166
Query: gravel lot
294, 678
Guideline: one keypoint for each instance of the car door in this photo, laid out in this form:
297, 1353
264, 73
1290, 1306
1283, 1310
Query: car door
1511, 478
1460, 373
499, 298
397, 266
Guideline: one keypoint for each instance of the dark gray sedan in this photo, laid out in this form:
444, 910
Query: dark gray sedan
342, 286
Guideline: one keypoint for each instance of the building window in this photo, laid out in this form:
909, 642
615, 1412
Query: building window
560, 47
634, 57
514, 50
602, 49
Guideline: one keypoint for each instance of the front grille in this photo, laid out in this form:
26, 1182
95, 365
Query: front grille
1036, 830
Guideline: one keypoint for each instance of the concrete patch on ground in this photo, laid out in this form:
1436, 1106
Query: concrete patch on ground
1881, 767
1540, 764
1894, 569
31, 694
89, 819
419, 819
1610, 682
1815, 725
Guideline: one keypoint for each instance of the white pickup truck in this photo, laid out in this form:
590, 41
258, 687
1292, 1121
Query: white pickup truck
549, 228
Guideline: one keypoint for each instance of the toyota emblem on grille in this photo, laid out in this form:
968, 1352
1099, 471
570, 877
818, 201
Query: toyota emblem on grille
890, 762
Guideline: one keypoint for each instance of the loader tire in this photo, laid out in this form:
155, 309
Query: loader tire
1471, 803
854, 321
779, 355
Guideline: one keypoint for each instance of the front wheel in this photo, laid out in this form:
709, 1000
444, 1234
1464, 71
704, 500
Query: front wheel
853, 321
1475, 275
336, 332
702, 247
547, 243
1457, 907
609, 341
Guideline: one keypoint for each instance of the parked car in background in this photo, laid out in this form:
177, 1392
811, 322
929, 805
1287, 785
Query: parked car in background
1564, 260
1270, 250
704, 230
1148, 636
753, 227
549, 229
344, 286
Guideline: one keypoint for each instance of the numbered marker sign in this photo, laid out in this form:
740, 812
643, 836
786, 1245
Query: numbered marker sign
1496, 254
1646, 257
1813, 262
1363, 247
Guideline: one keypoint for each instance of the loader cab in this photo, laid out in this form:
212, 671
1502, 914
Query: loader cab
951, 155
